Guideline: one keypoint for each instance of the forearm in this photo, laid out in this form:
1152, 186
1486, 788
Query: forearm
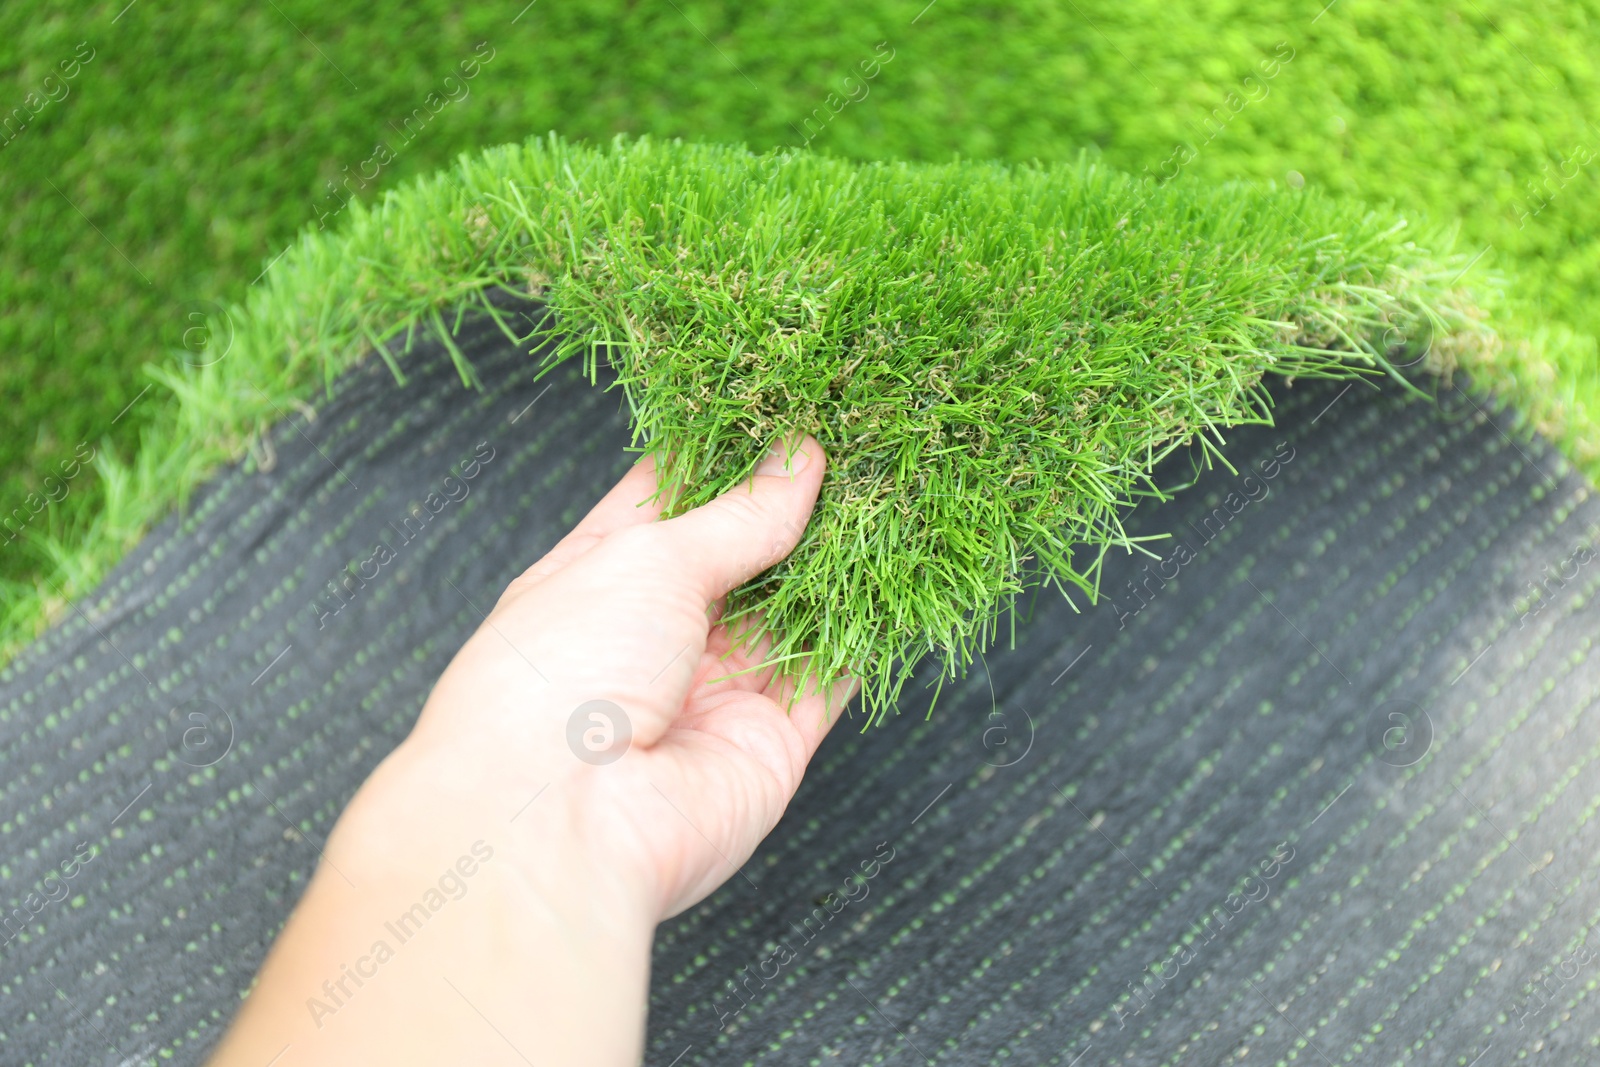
419, 948
490, 894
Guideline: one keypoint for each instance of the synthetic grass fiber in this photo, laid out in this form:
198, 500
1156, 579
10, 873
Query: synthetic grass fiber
175, 165
1067, 860
993, 356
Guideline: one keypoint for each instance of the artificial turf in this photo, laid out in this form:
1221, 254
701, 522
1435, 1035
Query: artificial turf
994, 355
193, 141
1192, 740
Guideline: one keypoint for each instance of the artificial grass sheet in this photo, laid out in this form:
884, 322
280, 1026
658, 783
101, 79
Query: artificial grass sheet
994, 356
177, 164
1326, 796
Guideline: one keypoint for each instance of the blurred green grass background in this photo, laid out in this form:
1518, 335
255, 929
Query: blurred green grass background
180, 158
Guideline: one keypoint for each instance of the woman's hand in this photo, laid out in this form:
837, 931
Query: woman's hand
592, 761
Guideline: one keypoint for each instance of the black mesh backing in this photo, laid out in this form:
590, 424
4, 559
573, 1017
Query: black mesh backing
1339, 678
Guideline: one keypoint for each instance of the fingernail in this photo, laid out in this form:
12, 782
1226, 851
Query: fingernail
785, 459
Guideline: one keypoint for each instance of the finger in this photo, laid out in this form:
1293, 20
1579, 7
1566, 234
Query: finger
628, 503
633, 609
735, 662
755, 524
808, 716
735, 764
778, 739
816, 717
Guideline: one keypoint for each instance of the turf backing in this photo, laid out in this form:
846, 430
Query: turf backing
1348, 682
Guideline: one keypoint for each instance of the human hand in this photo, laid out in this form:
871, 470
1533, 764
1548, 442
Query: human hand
590, 848
620, 612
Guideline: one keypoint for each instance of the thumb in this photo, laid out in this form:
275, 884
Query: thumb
753, 525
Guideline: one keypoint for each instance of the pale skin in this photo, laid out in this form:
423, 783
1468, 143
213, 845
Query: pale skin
541, 954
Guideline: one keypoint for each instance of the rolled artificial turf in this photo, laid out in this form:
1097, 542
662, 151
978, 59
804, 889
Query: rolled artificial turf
1349, 668
994, 356
182, 159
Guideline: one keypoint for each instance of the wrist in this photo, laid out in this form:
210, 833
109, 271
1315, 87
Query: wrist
439, 928
425, 810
